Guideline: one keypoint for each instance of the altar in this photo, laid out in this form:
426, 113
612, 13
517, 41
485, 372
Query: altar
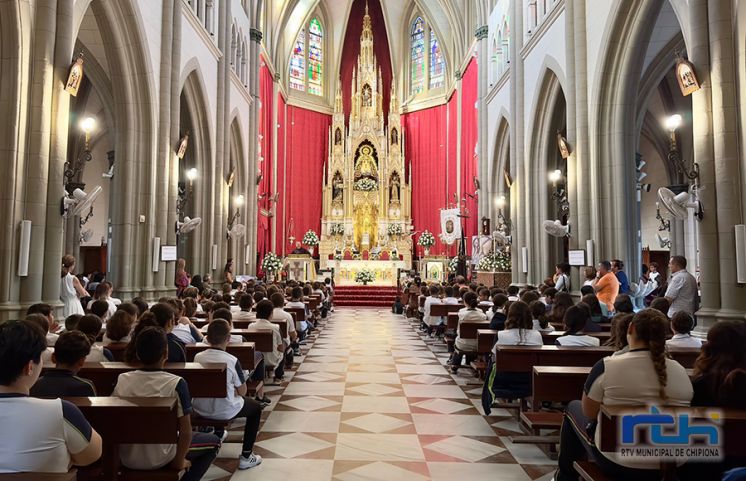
384, 272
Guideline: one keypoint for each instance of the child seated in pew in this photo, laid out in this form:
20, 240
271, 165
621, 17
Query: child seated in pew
43, 324
278, 300
722, 354
548, 297
484, 297
234, 405
71, 321
642, 376
119, 327
597, 313
193, 451
90, 325
70, 353
449, 298
53, 327
296, 301
245, 303
497, 314
519, 329
48, 435
190, 308
431, 323
275, 358
183, 327
681, 325
661, 304
226, 315
101, 309
618, 337
513, 291
576, 318
165, 318
469, 313
539, 317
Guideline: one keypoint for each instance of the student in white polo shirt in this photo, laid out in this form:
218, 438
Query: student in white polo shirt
432, 323
467, 314
576, 317
682, 325
296, 301
279, 313
275, 357
193, 451
234, 405
42, 435
642, 376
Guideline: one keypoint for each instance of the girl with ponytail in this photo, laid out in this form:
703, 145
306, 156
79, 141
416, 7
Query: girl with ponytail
642, 376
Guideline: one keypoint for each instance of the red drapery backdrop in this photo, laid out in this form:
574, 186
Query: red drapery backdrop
280, 207
452, 157
469, 135
266, 89
307, 151
425, 134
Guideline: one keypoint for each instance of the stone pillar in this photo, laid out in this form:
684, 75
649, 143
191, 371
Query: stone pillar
483, 136
572, 135
173, 136
255, 36
518, 166
725, 142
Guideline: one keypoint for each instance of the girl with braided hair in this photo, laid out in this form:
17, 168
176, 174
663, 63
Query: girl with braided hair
642, 376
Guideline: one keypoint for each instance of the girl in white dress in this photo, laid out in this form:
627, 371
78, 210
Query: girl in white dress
70, 288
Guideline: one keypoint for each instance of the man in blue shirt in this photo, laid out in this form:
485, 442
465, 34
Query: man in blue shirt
617, 267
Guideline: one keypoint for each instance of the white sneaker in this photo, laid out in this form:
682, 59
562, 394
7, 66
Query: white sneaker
250, 462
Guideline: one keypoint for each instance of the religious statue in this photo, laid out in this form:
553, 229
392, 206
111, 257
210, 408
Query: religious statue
394, 136
394, 188
366, 164
337, 187
338, 137
367, 96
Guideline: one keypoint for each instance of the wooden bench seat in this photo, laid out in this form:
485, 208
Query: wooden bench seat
550, 338
204, 380
244, 352
71, 475
444, 310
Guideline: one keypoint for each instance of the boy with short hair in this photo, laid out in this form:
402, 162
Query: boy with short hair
226, 315
484, 297
296, 301
275, 357
245, 303
513, 291
681, 325
278, 300
193, 451
429, 321
46, 311
69, 355
100, 308
234, 405
48, 435
90, 325
449, 297
43, 324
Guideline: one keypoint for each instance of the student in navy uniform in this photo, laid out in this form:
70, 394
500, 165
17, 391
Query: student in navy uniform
194, 452
48, 435
234, 405
497, 314
165, 318
70, 353
576, 318
91, 325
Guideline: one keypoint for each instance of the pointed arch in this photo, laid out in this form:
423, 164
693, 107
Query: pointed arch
298, 62
437, 63
417, 56
315, 57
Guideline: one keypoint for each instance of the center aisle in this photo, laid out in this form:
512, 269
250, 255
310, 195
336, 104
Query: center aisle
372, 401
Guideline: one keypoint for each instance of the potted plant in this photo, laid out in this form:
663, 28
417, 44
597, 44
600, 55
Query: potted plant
364, 276
311, 239
271, 264
426, 240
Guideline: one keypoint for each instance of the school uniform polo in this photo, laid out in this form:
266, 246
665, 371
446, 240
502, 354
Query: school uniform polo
450, 301
428, 319
578, 340
630, 379
185, 333
62, 383
517, 337
52, 338
244, 316
274, 357
278, 314
684, 340
152, 383
176, 349
537, 326
99, 354
464, 315
303, 324
229, 406
45, 432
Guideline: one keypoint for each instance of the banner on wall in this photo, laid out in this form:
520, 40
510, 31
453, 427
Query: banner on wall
481, 245
450, 225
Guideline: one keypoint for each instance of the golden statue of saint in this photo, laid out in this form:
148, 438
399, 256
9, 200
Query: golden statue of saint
366, 164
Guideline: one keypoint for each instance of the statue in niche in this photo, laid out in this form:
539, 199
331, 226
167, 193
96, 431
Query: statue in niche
337, 187
337, 137
367, 96
394, 136
394, 185
366, 164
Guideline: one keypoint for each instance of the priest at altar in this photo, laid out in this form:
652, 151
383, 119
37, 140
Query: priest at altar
299, 249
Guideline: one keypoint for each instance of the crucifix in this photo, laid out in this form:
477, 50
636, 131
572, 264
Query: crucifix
463, 214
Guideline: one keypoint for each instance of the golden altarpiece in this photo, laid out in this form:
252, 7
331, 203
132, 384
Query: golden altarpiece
367, 201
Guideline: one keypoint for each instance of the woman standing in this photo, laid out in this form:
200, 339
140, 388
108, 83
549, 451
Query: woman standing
70, 288
562, 277
228, 272
182, 278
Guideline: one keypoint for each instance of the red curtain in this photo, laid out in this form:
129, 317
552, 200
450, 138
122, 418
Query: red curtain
266, 97
469, 135
425, 133
280, 242
307, 152
452, 157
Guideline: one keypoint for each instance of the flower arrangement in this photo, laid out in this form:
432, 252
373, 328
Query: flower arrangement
338, 256
271, 263
364, 276
310, 238
496, 262
337, 229
395, 229
453, 264
426, 240
366, 184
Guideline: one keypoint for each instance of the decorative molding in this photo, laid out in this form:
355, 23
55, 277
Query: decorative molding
501, 82
425, 103
481, 32
543, 28
304, 104
242, 89
202, 32
256, 35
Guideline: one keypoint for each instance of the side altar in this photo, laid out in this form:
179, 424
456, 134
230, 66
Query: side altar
367, 200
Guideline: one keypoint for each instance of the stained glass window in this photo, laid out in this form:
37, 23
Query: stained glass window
315, 57
417, 46
298, 62
437, 63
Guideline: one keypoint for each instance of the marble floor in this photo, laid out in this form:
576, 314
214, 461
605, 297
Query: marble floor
370, 399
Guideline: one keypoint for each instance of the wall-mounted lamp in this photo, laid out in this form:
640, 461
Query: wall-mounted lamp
185, 191
674, 156
73, 169
238, 201
559, 194
503, 225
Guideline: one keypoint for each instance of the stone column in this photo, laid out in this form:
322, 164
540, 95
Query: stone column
572, 131
251, 163
483, 136
725, 142
518, 166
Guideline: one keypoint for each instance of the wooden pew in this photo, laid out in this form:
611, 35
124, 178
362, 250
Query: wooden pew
468, 330
117, 350
244, 352
551, 337
204, 380
71, 475
444, 310
261, 338
486, 339
605, 326
129, 420
282, 323
523, 358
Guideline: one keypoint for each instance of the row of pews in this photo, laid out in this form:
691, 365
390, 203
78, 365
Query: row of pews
154, 420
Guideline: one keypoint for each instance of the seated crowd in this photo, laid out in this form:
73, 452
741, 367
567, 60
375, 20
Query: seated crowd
42, 362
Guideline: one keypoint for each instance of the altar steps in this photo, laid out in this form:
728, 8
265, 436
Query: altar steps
364, 296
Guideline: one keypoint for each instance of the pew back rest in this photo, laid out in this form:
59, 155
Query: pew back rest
244, 352
468, 329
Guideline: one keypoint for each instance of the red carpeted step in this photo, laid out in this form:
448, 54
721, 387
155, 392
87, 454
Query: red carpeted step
361, 296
